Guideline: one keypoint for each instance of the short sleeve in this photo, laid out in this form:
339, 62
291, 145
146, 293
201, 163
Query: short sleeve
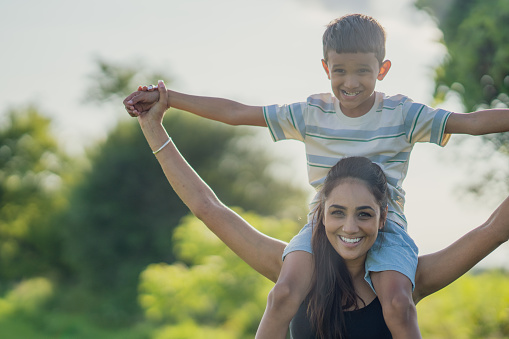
425, 124
286, 121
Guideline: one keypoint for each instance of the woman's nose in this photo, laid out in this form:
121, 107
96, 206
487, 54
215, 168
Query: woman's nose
350, 225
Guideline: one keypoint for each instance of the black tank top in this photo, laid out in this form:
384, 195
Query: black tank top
365, 323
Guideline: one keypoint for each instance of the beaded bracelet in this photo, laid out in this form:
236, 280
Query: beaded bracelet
163, 146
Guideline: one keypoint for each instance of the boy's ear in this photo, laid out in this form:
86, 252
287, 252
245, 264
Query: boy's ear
384, 69
326, 68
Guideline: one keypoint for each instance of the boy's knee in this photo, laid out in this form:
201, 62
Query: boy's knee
399, 307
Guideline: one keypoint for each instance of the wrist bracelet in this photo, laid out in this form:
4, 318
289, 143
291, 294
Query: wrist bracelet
163, 146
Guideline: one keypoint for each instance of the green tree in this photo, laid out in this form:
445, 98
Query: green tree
32, 176
112, 82
476, 35
209, 292
123, 213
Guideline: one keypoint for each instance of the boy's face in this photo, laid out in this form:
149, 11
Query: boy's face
353, 77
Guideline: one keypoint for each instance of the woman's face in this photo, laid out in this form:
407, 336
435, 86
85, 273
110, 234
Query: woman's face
352, 219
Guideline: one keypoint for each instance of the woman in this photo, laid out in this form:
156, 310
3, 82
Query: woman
351, 213
352, 209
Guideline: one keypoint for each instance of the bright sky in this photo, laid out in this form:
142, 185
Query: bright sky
257, 52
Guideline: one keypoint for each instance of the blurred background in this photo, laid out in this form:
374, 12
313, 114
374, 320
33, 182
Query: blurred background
93, 241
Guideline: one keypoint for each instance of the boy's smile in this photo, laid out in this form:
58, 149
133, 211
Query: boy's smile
353, 77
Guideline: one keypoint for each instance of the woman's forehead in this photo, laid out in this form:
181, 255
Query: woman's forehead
351, 190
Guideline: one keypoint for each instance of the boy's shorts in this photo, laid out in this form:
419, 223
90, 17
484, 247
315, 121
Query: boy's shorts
393, 250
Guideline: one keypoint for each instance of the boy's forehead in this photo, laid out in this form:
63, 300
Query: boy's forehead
335, 58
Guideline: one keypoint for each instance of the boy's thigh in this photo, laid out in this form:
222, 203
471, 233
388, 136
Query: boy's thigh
393, 250
300, 242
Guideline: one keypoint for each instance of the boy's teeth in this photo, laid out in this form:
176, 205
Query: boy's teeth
350, 94
351, 241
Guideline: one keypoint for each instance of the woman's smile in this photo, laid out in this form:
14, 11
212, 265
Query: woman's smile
350, 240
352, 219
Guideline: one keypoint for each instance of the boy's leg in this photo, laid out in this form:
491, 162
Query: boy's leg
287, 295
390, 269
394, 291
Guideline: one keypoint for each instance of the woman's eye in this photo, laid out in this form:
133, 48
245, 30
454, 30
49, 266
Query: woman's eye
365, 215
337, 213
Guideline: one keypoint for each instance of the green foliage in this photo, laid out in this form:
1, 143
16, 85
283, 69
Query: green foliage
216, 295
27, 297
32, 177
113, 81
475, 306
123, 213
476, 34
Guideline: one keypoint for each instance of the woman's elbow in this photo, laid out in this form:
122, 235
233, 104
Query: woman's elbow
205, 207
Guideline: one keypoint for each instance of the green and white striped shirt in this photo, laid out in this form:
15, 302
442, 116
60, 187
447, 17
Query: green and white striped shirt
386, 135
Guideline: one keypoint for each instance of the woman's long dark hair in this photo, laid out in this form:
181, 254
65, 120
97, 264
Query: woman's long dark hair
332, 288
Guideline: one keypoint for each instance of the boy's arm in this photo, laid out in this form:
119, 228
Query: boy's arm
478, 123
223, 110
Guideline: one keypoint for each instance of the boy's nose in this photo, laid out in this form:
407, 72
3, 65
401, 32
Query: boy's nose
351, 82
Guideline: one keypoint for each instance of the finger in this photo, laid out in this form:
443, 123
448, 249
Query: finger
163, 98
133, 113
133, 99
128, 98
131, 110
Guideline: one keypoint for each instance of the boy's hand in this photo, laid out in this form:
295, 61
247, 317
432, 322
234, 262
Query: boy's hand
157, 109
141, 101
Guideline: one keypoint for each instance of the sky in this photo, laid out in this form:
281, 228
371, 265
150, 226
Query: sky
256, 52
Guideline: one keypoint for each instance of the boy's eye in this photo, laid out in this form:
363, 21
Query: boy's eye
364, 70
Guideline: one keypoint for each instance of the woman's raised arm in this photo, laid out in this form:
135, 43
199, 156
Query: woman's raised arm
439, 269
261, 252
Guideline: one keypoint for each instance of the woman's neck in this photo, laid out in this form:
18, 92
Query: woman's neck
362, 288
356, 269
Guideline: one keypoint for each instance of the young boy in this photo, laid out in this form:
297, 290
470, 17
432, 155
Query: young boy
355, 120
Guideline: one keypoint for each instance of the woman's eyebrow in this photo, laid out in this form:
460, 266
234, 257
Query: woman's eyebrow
337, 206
364, 208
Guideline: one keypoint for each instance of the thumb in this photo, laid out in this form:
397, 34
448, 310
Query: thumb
163, 98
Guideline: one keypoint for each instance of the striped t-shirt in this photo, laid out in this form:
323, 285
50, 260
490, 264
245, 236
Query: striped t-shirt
386, 135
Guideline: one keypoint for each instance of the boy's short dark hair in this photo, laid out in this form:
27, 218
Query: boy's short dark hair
355, 33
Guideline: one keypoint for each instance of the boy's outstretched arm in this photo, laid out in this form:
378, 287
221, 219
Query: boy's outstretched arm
479, 122
223, 110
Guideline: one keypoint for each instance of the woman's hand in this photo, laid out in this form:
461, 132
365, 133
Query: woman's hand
156, 112
141, 101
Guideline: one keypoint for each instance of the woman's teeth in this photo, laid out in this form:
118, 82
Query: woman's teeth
350, 240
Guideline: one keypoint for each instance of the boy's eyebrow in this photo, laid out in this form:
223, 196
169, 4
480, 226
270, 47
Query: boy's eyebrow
340, 207
342, 65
